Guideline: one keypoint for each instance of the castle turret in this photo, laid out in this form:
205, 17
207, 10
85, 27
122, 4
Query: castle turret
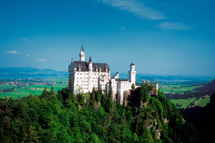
82, 54
156, 87
90, 74
132, 74
117, 75
90, 64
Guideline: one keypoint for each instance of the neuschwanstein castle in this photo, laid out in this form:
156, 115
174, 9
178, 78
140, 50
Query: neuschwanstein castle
88, 75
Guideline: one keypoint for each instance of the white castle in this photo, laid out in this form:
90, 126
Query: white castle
88, 75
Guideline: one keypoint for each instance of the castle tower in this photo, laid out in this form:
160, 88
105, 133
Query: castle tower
132, 74
90, 74
117, 75
90, 64
82, 54
156, 88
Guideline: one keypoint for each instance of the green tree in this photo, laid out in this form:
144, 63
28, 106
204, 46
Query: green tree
110, 100
133, 87
93, 96
44, 93
52, 90
94, 138
71, 86
148, 136
99, 97
135, 138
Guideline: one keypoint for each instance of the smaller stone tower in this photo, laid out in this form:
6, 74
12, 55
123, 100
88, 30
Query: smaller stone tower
90, 64
82, 54
156, 88
90, 74
117, 75
132, 74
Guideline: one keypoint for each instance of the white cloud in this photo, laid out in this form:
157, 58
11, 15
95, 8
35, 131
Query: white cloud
137, 8
28, 55
40, 60
13, 52
26, 39
173, 26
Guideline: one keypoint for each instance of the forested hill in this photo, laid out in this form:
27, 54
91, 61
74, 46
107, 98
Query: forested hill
203, 119
63, 117
208, 89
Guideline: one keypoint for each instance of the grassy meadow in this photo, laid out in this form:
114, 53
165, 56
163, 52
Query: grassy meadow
186, 102
177, 87
204, 101
180, 87
34, 89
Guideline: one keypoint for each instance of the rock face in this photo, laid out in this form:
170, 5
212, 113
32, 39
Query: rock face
166, 120
157, 134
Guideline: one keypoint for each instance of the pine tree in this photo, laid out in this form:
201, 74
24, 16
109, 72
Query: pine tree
71, 85
44, 93
110, 100
52, 90
93, 96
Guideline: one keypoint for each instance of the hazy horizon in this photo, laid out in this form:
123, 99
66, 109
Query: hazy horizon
124, 73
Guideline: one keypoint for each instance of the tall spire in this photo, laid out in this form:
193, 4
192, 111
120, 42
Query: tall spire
82, 48
90, 60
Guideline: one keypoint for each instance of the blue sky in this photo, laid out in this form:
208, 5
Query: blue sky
161, 37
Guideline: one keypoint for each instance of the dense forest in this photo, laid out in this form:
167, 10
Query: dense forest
203, 119
64, 117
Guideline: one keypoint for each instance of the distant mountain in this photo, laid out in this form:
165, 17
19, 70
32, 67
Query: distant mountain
30, 72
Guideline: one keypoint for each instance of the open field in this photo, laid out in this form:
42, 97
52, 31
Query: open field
186, 102
204, 101
34, 89
177, 87
180, 87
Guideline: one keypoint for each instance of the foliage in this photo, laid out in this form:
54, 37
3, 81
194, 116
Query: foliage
203, 119
63, 117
